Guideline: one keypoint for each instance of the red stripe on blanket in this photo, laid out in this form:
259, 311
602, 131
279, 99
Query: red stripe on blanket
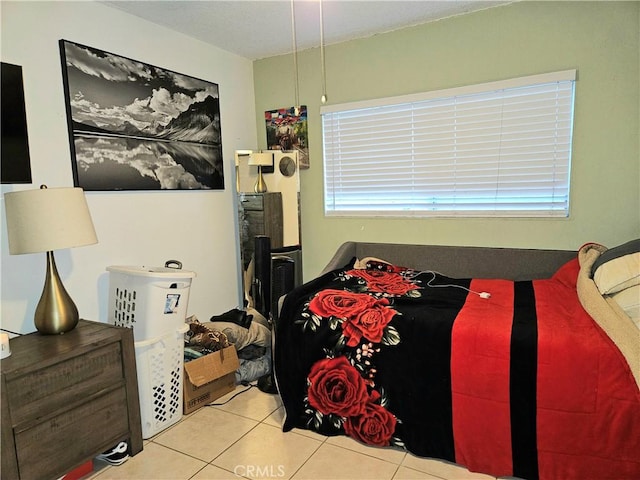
586, 406
480, 344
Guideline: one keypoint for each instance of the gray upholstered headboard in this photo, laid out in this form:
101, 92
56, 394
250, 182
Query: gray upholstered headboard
459, 262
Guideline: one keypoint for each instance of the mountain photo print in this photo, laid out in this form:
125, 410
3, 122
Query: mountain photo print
134, 126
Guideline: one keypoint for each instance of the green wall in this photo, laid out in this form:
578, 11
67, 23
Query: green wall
599, 39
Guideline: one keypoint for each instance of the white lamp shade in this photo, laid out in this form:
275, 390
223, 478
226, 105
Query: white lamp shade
241, 153
262, 159
48, 219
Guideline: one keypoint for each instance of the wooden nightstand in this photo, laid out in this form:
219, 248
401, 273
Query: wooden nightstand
67, 398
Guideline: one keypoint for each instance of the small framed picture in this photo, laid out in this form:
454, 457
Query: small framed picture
287, 130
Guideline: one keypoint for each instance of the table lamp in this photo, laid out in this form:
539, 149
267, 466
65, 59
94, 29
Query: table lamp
261, 159
238, 154
44, 220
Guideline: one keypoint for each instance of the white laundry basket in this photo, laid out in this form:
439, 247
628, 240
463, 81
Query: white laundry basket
160, 368
151, 300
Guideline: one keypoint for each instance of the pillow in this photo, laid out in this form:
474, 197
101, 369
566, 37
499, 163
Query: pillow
373, 263
362, 264
618, 268
629, 301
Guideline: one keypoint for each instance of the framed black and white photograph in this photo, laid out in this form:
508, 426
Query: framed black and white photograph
134, 126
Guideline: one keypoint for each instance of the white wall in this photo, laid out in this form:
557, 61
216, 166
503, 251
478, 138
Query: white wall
134, 228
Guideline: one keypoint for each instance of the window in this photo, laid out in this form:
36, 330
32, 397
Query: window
495, 149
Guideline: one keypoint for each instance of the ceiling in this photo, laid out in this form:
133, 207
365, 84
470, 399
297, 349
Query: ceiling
262, 28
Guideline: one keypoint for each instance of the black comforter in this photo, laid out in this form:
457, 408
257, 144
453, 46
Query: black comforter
506, 378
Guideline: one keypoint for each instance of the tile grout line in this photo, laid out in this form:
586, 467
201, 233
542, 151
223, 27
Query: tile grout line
308, 458
260, 422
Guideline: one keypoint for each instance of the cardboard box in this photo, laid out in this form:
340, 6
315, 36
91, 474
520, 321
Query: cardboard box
208, 378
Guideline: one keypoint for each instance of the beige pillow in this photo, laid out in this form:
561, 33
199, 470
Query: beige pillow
629, 301
362, 263
618, 274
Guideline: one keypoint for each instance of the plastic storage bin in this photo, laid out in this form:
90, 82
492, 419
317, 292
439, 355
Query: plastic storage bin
151, 300
160, 368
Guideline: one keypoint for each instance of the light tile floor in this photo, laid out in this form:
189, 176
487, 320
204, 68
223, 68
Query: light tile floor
243, 439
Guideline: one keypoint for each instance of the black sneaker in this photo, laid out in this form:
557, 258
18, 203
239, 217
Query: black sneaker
117, 455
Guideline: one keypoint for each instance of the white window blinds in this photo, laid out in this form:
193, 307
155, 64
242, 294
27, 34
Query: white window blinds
496, 149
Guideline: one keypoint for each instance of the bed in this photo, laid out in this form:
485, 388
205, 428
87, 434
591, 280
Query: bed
510, 362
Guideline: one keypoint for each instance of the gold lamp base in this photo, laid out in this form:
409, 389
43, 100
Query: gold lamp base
56, 313
260, 186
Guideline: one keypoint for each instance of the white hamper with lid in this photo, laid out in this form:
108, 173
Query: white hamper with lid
153, 302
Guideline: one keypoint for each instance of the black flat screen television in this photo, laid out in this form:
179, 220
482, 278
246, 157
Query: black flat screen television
14, 157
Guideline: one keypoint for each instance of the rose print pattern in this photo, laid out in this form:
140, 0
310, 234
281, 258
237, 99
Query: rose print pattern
340, 303
335, 386
341, 388
375, 425
336, 389
384, 282
361, 315
370, 324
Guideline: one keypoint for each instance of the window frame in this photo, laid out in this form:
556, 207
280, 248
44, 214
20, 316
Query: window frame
556, 208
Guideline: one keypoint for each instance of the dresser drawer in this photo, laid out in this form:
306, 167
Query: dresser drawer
72, 436
62, 384
255, 223
252, 202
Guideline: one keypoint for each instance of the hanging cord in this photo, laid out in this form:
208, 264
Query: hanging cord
245, 383
447, 285
323, 99
295, 56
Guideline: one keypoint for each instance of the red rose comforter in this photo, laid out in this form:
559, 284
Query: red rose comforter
520, 382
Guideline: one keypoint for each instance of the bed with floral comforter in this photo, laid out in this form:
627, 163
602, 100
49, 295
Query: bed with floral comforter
508, 378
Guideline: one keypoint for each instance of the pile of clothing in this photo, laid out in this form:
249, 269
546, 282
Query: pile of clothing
247, 330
